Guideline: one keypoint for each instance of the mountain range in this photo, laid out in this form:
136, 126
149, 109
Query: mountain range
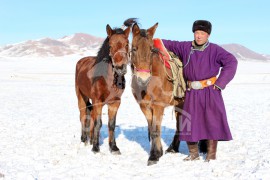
86, 44
243, 53
78, 43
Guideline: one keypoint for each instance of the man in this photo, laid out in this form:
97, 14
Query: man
202, 62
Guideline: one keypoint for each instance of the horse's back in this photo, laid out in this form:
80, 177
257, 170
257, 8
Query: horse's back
85, 62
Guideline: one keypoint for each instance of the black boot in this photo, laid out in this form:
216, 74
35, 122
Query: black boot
193, 151
211, 150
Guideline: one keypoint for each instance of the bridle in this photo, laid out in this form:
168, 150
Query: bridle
119, 51
153, 52
122, 70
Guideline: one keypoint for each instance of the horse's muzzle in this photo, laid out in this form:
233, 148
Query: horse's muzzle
120, 70
143, 78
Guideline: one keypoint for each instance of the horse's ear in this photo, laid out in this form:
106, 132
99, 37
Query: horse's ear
127, 31
109, 30
135, 29
151, 31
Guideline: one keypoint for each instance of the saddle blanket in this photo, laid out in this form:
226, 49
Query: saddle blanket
164, 55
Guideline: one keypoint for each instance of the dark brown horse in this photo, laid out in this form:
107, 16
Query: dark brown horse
99, 81
152, 89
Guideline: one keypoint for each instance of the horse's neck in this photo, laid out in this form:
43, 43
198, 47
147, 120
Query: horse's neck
102, 59
104, 69
158, 67
112, 79
161, 71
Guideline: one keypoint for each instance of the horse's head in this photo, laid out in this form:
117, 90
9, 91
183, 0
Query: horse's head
142, 53
118, 47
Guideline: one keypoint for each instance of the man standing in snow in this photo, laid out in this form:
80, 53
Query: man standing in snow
202, 61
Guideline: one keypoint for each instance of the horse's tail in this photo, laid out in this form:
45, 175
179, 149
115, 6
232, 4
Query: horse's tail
203, 146
129, 22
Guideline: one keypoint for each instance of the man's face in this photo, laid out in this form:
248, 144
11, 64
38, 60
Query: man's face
201, 37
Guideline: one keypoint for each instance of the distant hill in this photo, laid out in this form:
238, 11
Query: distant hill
78, 43
243, 53
86, 44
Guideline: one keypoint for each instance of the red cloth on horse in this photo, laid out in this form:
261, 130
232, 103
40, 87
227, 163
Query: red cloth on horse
163, 54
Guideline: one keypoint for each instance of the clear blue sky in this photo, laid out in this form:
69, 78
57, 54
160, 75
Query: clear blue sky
245, 22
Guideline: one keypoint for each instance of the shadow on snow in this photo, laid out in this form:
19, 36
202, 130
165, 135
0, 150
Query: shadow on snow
140, 136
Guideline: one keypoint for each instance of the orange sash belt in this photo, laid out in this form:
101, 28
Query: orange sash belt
201, 84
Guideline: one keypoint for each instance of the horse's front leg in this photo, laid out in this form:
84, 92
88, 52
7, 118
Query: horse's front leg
96, 124
112, 112
155, 134
148, 115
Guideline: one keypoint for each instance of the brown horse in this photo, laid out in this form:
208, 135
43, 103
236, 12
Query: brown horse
152, 89
100, 80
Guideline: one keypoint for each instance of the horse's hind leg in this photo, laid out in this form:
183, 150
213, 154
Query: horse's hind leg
88, 121
112, 111
84, 115
174, 146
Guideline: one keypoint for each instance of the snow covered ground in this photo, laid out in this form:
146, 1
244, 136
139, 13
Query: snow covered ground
40, 129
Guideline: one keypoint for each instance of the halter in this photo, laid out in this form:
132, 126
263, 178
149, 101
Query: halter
119, 51
142, 70
154, 50
119, 71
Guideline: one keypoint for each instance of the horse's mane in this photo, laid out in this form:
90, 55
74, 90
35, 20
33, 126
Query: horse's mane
131, 21
143, 32
104, 51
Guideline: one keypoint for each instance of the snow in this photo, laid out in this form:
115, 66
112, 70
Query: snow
40, 129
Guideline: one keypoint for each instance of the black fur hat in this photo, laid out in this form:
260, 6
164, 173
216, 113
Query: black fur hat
202, 25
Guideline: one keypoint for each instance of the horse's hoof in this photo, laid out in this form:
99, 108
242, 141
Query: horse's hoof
151, 162
84, 139
95, 149
114, 149
172, 149
116, 152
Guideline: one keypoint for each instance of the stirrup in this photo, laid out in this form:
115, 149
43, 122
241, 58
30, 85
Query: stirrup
192, 158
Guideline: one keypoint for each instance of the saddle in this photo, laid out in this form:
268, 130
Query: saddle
172, 62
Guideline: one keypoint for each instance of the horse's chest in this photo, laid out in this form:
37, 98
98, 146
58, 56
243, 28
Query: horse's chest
106, 90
